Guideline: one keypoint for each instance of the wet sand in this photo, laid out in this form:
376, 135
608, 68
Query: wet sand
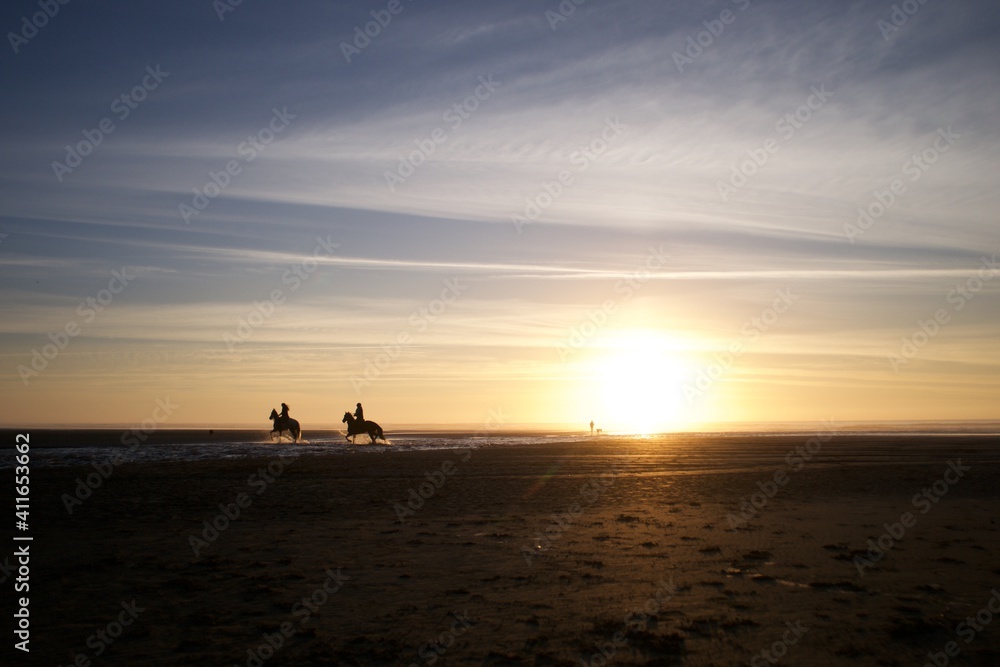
611, 551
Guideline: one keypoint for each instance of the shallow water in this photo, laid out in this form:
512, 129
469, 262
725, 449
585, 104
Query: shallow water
685, 451
223, 447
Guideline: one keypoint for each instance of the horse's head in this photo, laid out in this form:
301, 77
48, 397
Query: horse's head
274, 414
347, 418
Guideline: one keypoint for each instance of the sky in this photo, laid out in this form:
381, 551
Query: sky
650, 214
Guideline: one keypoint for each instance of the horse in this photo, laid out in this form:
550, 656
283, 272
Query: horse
354, 427
282, 424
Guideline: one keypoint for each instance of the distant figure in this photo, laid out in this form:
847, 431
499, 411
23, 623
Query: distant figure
284, 411
359, 414
600, 431
211, 433
591, 427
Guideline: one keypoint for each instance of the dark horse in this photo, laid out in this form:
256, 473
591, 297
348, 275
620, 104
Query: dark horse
282, 424
354, 427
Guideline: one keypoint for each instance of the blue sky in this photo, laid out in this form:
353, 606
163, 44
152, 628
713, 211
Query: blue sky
642, 143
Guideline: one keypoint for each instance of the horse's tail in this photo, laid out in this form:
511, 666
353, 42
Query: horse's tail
380, 433
296, 431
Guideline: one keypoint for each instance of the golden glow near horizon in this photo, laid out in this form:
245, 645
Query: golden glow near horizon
637, 377
636, 374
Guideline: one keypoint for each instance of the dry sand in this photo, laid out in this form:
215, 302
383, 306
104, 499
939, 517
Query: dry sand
529, 555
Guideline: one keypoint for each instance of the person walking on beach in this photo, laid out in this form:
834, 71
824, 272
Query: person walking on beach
359, 414
591, 427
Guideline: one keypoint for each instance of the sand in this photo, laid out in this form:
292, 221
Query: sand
611, 551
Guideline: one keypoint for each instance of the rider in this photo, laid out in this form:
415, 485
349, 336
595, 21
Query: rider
284, 411
359, 414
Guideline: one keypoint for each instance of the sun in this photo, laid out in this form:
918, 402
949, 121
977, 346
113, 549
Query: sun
638, 379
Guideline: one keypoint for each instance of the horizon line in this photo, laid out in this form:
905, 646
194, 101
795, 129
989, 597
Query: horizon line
564, 427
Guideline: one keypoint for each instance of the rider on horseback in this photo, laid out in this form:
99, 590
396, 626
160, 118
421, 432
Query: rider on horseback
357, 423
283, 423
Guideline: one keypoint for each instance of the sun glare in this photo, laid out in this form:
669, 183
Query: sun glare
639, 377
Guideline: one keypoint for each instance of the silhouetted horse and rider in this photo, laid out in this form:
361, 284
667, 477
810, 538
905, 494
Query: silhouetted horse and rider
284, 423
357, 423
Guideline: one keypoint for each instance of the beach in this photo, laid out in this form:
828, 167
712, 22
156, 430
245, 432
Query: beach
718, 549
